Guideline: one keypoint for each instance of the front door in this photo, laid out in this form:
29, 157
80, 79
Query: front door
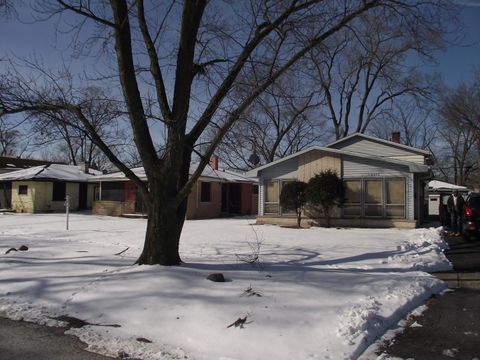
82, 196
5, 195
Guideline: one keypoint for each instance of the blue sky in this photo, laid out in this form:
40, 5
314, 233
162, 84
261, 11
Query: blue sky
458, 62
454, 65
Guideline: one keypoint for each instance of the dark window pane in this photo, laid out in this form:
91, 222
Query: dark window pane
255, 189
113, 191
205, 192
59, 191
22, 189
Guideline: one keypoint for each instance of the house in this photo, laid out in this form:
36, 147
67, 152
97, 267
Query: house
44, 188
218, 192
8, 164
384, 182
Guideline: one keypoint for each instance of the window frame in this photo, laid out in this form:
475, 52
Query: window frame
280, 211
20, 190
384, 204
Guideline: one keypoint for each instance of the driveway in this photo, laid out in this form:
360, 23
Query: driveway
27, 341
450, 327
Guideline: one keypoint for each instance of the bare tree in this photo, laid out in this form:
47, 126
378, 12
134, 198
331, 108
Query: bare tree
280, 122
188, 59
459, 114
412, 119
63, 129
362, 69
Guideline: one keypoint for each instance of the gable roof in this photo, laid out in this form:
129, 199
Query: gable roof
382, 141
54, 172
413, 167
208, 173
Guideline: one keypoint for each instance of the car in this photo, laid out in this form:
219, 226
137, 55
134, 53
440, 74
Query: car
471, 218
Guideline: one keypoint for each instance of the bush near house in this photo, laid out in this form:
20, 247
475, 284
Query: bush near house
293, 197
324, 191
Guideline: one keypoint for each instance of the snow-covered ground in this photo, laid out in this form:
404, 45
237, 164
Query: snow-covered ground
321, 293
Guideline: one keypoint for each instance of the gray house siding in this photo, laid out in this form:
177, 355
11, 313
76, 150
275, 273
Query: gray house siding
370, 147
359, 168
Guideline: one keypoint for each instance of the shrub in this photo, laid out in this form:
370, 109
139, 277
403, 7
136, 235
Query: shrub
293, 197
324, 191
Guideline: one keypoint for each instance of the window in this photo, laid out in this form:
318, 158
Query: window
113, 191
373, 198
59, 191
285, 211
395, 194
22, 189
271, 197
205, 194
255, 190
353, 198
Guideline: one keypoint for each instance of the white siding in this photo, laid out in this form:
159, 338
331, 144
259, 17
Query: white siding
371, 147
284, 170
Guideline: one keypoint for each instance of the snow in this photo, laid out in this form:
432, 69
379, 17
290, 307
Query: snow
208, 172
52, 171
325, 293
441, 185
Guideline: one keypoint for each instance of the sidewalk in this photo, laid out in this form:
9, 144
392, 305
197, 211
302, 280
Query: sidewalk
21, 340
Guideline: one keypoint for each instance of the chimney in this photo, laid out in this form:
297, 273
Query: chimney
84, 167
214, 162
396, 137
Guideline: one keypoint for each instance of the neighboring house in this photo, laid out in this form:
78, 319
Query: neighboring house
8, 164
44, 188
384, 182
218, 192
438, 193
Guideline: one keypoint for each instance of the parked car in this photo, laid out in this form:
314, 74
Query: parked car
471, 218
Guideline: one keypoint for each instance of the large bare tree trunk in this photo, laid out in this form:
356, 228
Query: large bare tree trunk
164, 225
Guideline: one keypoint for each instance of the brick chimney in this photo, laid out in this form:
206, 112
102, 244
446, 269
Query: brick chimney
214, 162
396, 137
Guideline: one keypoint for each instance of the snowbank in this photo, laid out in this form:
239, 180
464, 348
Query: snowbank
313, 293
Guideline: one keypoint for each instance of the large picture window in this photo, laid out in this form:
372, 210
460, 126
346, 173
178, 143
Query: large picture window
113, 191
59, 191
375, 198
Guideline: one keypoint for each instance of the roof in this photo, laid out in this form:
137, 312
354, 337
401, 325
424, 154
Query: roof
436, 185
50, 172
222, 175
383, 141
19, 163
413, 167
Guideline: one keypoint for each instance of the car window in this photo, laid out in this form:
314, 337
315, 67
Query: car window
474, 201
